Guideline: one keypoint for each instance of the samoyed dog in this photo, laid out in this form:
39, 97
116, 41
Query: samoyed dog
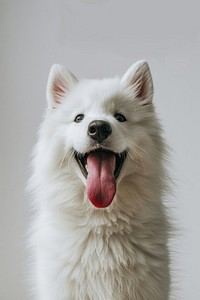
100, 230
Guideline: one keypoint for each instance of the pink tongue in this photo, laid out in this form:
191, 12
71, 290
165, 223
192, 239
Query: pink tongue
101, 185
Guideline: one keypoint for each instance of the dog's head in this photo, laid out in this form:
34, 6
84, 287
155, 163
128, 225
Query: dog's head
105, 129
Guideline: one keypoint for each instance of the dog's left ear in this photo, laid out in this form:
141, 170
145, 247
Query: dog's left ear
138, 82
60, 82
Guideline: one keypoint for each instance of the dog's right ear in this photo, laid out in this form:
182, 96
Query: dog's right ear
138, 82
60, 82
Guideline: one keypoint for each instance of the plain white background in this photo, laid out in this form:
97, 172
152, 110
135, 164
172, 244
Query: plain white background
99, 38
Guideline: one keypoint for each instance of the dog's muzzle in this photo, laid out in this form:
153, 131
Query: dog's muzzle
100, 166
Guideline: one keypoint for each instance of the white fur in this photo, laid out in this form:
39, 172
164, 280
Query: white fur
81, 252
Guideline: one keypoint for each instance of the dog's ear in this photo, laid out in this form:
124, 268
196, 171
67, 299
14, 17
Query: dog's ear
60, 82
138, 81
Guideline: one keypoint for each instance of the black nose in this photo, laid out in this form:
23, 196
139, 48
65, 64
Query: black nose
99, 130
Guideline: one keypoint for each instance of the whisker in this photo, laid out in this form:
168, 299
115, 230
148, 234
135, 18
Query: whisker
61, 160
135, 160
140, 148
139, 159
70, 157
130, 155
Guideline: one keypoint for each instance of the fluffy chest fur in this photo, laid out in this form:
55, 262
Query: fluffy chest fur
100, 230
102, 256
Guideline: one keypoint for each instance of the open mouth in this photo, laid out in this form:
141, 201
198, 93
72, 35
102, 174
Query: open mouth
101, 169
82, 160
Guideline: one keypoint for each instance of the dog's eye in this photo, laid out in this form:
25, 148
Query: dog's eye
120, 117
79, 118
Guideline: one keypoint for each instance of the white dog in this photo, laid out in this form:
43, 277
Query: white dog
100, 231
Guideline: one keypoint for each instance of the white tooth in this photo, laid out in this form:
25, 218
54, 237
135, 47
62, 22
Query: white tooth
86, 166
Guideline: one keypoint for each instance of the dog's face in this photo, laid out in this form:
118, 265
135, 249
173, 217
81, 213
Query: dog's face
102, 126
